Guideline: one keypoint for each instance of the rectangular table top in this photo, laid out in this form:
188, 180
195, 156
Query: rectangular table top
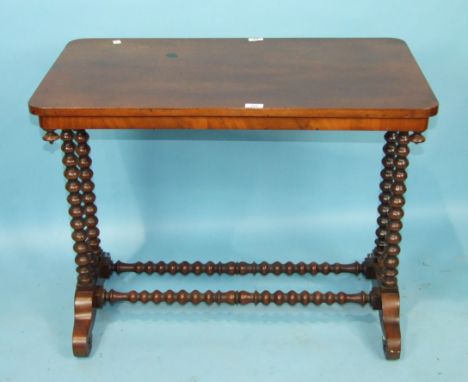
303, 83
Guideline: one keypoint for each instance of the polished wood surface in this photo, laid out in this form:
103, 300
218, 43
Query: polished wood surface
235, 123
390, 321
315, 84
237, 268
94, 265
242, 297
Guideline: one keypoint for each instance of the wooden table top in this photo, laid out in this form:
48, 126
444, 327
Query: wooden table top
330, 84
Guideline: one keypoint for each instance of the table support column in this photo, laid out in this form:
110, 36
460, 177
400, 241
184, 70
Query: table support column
389, 149
93, 265
382, 264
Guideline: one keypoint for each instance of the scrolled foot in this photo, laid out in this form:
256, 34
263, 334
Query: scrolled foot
83, 326
390, 320
82, 343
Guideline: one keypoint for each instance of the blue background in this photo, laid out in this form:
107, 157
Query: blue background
233, 196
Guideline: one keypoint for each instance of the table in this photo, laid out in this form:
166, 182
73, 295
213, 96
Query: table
255, 83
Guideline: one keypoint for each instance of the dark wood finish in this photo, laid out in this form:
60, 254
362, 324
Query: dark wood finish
93, 264
237, 268
382, 264
326, 84
396, 201
239, 297
304, 84
386, 192
392, 198
82, 207
390, 320
85, 314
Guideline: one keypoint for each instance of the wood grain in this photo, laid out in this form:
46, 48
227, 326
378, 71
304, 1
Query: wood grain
390, 321
234, 123
360, 84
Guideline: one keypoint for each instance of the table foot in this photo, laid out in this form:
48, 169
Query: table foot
87, 300
390, 320
84, 320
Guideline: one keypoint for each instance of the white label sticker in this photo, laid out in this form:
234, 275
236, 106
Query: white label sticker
254, 39
254, 105
116, 42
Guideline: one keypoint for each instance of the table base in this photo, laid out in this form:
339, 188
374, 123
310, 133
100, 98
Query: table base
94, 265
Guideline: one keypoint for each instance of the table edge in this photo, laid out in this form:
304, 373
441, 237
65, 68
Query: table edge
426, 112
234, 123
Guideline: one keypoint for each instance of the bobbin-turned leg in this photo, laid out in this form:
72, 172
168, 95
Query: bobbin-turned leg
388, 261
92, 263
389, 237
370, 264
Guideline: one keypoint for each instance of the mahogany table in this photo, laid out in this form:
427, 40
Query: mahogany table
287, 84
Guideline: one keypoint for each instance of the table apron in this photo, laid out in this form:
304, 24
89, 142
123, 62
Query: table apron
235, 123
